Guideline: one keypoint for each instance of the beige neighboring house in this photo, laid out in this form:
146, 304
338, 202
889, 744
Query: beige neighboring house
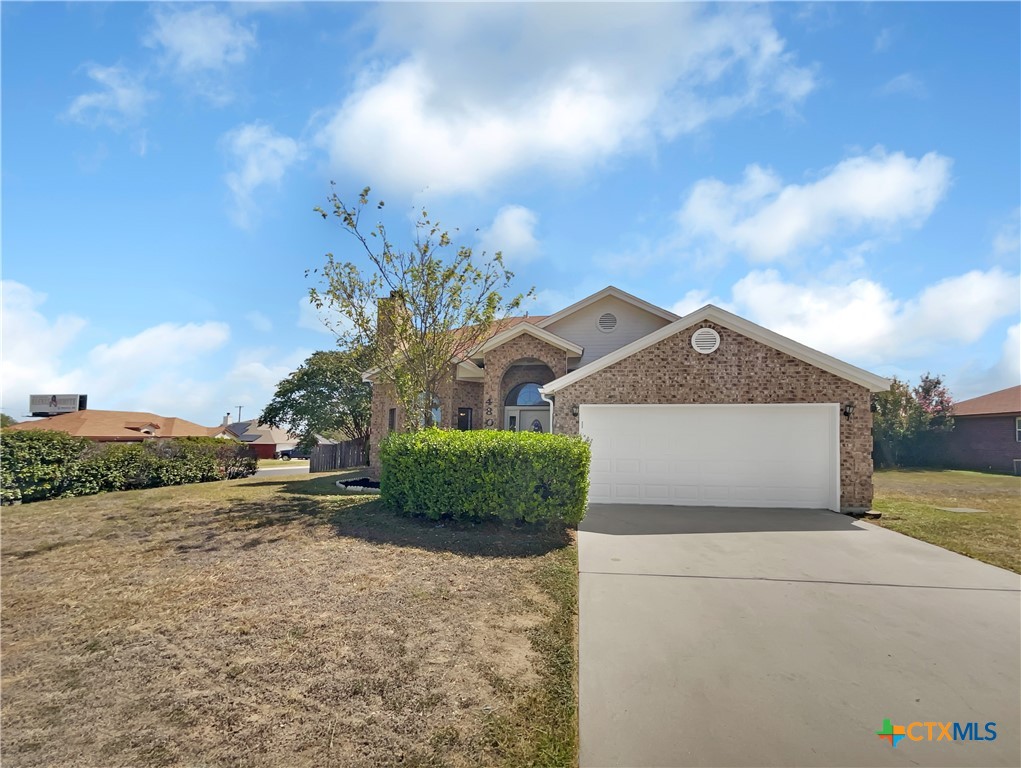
119, 426
706, 409
267, 441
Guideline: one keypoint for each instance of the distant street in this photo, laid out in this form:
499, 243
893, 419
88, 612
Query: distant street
299, 468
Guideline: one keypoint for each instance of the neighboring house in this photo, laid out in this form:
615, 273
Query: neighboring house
119, 426
705, 409
267, 441
987, 432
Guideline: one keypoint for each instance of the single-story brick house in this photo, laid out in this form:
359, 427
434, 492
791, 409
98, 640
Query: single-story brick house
705, 409
987, 433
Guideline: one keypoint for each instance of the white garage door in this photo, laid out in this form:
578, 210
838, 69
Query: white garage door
715, 455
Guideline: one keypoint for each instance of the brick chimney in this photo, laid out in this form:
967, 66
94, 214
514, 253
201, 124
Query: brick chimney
386, 316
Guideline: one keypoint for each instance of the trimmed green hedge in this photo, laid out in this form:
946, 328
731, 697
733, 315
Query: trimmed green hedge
485, 474
43, 464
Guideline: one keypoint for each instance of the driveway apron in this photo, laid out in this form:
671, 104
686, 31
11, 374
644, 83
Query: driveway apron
777, 637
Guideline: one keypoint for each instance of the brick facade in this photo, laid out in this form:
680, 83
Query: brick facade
499, 363
983, 443
740, 371
503, 371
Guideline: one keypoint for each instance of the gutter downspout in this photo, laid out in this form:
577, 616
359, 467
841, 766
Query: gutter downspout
548, 400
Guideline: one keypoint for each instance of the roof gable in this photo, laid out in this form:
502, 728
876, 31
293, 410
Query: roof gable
710, 313
532, 330
609, 290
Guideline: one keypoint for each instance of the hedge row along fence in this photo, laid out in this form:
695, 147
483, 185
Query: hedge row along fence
43, 464
486, 474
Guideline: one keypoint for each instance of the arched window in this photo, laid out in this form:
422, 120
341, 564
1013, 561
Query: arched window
525, 394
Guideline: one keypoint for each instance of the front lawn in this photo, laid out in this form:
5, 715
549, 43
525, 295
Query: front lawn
910, 501
273, 622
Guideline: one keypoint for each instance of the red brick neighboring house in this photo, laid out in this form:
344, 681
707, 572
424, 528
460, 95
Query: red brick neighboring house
706, 409
987, 432
119, 426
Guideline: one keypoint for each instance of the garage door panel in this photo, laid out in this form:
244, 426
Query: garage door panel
656, 468
684, 493
656, 444
626, 445
716, 492
657, 491
736, 455
627, 466
627, 491
685, 472
682, 448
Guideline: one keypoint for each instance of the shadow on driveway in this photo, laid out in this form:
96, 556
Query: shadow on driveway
649, 519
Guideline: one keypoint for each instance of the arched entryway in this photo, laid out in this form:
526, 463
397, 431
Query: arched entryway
524, 410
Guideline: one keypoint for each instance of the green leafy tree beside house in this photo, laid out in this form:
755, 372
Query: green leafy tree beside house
909, 423
325, 396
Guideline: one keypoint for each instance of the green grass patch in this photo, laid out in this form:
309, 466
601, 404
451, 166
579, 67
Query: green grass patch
270, 463
911, 502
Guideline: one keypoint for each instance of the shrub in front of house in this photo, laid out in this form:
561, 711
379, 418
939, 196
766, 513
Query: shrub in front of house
486, 474
39, 464
43, 464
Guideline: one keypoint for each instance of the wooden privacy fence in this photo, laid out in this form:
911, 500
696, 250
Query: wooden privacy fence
328, 458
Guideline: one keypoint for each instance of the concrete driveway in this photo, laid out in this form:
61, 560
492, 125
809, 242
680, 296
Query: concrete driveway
753, 637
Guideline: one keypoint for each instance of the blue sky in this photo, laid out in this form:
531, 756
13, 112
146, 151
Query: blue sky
848, 175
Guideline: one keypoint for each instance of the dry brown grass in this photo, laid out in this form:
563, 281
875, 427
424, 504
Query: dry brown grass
271, 622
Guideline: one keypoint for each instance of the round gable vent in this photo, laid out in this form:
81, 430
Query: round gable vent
607, 322
705, 340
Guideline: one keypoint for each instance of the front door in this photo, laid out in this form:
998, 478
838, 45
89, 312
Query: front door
526, 419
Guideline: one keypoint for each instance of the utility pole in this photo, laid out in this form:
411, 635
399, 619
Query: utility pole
239, 412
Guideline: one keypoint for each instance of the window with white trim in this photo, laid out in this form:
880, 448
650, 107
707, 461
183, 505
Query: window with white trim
1017, 428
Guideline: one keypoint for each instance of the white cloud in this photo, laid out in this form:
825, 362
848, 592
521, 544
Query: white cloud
512, 233
1007, 372
905, 84
547, 301
173, 369
248, 379
321, 320
537, 97
260, 156
1007, 241
120, 101
32, 348
694, 299
766, 220
200, 44
259, 321
863, 322
883, 40
971, 379
164, 344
